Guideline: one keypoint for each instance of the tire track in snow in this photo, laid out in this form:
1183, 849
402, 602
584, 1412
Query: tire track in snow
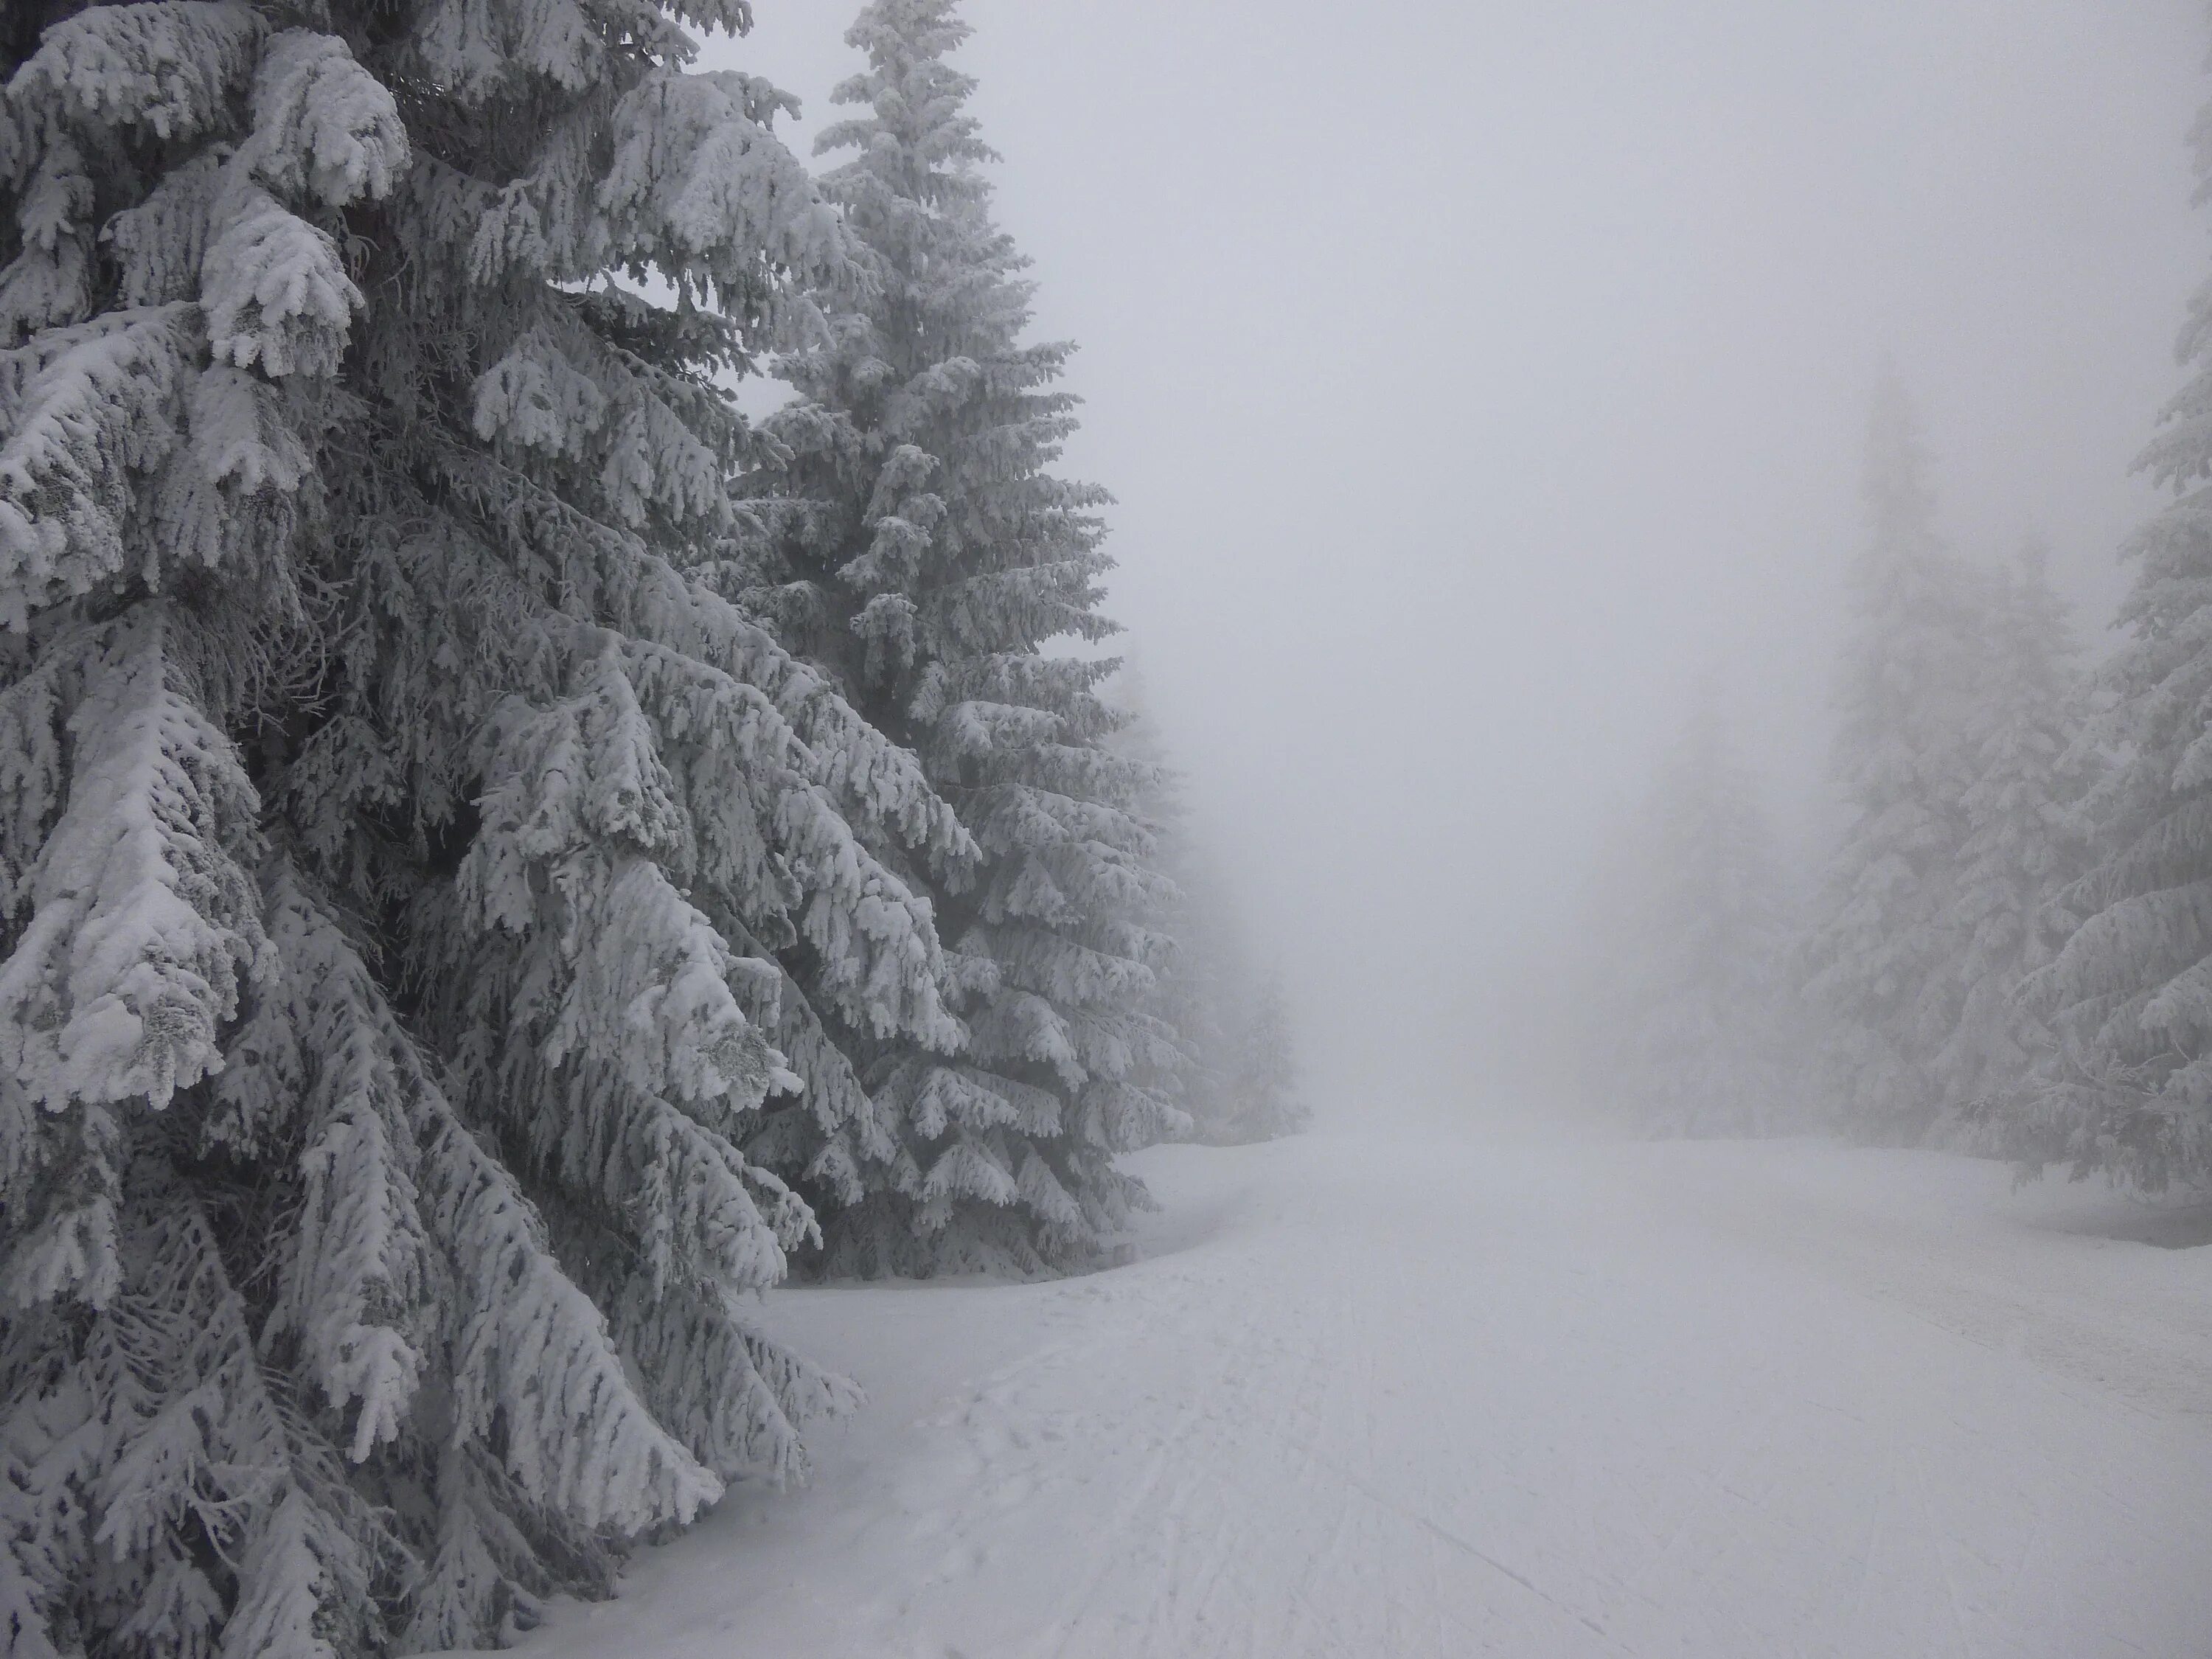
1444, 1534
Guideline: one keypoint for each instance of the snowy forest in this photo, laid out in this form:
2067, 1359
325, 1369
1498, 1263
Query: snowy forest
593, 894
504, 856
2003, 953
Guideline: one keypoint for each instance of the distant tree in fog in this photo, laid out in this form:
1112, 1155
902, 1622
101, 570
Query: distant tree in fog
1201, 984
1884, 951
1698, 1030
2027, 841
1262, 1103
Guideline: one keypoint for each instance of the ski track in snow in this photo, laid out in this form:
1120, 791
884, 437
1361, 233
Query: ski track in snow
1777, 1401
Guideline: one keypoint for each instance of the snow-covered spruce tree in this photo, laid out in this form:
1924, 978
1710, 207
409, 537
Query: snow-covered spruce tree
2027, 841
1705, 1027
387, 808
915, 545
1883, 955
2131, 994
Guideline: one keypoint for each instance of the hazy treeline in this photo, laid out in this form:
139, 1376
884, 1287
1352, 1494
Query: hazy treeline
2008, 949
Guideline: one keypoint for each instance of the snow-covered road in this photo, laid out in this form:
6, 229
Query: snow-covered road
1436, 1398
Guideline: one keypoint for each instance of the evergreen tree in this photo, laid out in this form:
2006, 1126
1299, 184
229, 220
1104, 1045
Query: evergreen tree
1883, 956
2026, 840
2131, 994
1199, 986
916, 546
1202, 983
395, 821
1705, 1028
1263, 1103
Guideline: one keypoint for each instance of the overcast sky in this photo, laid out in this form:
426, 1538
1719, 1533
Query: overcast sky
1475, 376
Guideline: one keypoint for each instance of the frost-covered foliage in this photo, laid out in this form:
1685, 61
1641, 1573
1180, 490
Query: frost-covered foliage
1965, 763
2131, 994
916, 546
397, 828
1696, 1029
2027, 841
1883, 955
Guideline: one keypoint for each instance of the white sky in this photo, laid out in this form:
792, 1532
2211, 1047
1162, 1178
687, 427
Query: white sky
1473, 376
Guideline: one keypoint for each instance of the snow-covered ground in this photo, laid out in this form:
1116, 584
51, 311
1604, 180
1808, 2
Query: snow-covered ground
1419, 1398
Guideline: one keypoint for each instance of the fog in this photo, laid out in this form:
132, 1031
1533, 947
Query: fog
1473, 377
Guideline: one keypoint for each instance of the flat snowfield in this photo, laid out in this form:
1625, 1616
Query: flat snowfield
1439, 1399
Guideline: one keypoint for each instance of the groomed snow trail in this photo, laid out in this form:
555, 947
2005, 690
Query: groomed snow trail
1403, 1399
